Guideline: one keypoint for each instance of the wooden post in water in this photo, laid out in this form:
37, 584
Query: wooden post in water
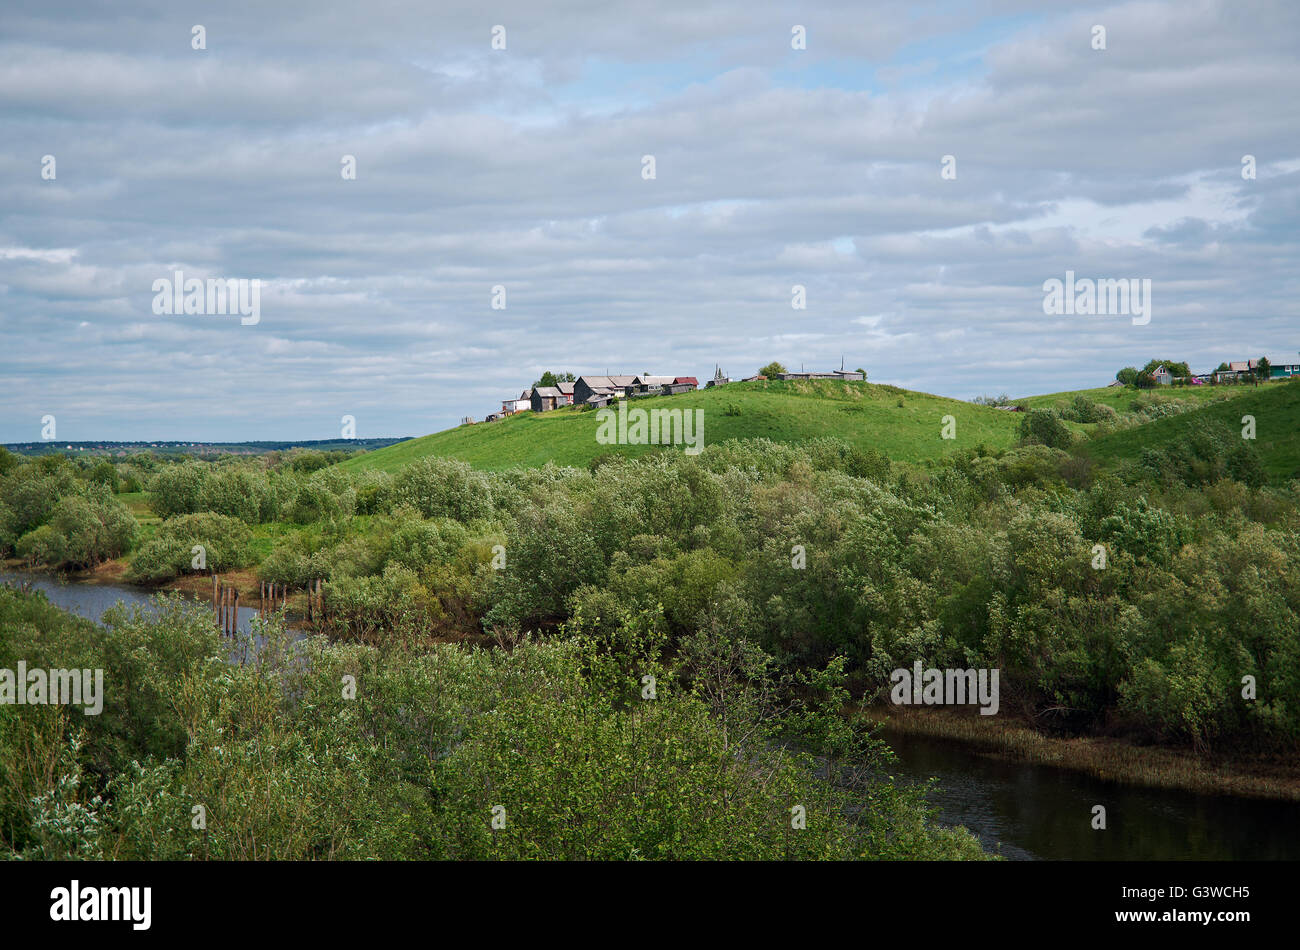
234, 616
216, 612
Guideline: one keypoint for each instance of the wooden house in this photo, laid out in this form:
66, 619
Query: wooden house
588, 386
1283, 367
546, 398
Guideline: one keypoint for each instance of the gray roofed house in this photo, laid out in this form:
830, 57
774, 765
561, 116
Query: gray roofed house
546, 398
587, 386
833, 374
652, 382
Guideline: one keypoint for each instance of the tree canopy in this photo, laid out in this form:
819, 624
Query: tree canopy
553, 379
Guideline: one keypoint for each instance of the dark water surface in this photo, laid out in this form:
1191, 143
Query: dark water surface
1027, 812
1024, 812
91, 600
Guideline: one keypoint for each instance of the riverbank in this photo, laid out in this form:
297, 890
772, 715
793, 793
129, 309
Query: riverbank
199, 586
1103, 757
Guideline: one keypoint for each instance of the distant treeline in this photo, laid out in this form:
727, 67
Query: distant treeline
103, 447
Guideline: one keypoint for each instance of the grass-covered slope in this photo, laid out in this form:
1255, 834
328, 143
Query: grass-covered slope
1275, 407
903, 425
1122, 398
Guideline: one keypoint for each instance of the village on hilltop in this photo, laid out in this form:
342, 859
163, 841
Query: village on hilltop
1258, 370
597, 392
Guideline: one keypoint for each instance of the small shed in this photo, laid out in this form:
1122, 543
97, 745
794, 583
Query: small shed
546, 398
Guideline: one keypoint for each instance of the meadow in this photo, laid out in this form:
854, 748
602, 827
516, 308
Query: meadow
901, 424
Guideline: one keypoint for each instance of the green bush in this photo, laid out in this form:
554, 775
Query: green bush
83, 531
239, 493
1083, 409
1044, 427
29, 495
170, 552
434, 745
444, 488
177, 489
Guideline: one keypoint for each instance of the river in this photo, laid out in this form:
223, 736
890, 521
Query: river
1027, 812
1018, 810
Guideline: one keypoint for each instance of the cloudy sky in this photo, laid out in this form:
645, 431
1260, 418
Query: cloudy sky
523, 167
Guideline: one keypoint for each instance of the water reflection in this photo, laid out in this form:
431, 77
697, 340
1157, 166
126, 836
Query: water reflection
1027, 812
91, 601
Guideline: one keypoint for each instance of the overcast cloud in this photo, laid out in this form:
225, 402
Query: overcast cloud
523, 167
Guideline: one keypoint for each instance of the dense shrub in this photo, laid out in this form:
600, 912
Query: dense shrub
83, 531
177, 489
414, 765
239, 493
1044, 427
29, 495
817, 551
170, 552
444, 488
1083, 409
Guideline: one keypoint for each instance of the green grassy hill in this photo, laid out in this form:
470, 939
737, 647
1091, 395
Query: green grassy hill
1122, 398
1275, 406
903, 425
